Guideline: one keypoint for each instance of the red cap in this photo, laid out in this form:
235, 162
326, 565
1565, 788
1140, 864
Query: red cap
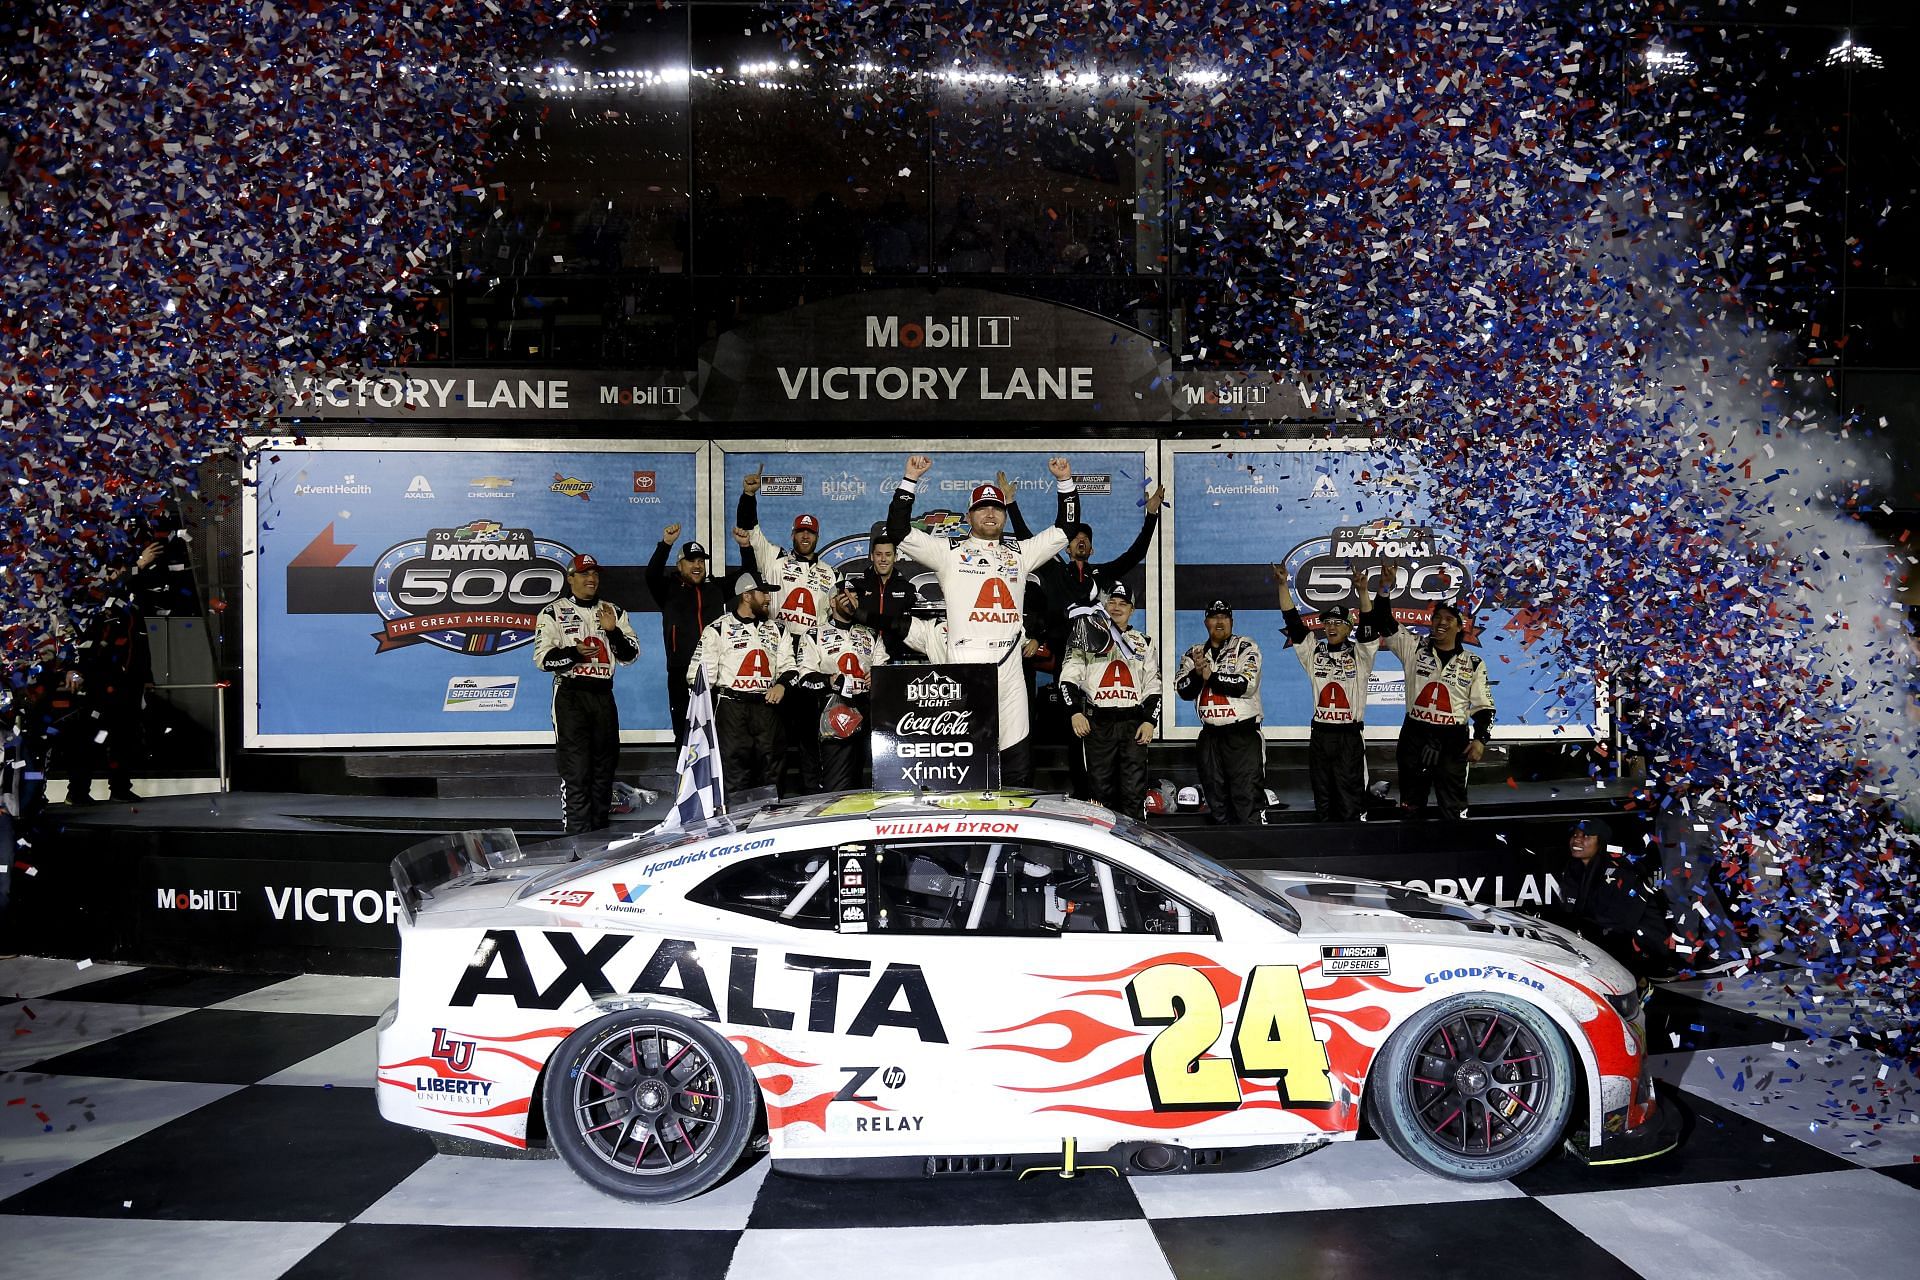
987, 493
809, 523
584, 563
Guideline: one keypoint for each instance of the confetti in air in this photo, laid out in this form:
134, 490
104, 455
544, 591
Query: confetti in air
196, 201
1545, 249
1547, 252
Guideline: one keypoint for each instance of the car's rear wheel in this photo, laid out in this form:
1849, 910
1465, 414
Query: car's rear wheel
649, 1105
1475, 1088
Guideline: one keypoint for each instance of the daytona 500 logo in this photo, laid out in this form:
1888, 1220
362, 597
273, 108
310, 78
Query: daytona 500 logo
477, 589
1416, 574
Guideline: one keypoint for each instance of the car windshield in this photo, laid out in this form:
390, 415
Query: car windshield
1195, 863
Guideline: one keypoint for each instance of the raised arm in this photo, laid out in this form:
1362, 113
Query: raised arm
1015, 520
1129, 560
1297, 632
900, 510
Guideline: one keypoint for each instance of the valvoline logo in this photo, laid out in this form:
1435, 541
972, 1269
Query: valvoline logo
629, 893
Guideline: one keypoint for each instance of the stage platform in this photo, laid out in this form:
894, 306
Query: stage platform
299, 881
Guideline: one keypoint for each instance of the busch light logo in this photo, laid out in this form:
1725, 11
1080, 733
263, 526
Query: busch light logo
477, 589
935, 690
844, 487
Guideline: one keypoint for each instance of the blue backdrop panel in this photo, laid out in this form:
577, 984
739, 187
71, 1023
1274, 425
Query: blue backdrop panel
1240, 512
396, 588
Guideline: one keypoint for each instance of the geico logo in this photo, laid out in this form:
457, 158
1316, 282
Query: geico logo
197, 899
924, 750
334, 906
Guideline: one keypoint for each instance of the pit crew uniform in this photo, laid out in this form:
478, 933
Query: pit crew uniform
982, 583
743, 658
1117, 691
685, 609
1233, 755
801, 591
568, 641
837, 662
1336, 742
1448, 703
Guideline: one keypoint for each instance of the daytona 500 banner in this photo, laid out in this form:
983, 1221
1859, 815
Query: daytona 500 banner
1320, 510
394, 585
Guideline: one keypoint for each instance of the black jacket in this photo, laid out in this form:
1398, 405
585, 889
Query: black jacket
685, 609
1065, 583
886, 604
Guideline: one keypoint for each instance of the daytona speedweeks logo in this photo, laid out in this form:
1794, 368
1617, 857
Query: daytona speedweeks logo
477, 589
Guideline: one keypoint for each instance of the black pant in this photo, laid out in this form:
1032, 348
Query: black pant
749, 732
1115, 761
678, 695
800, 735
1434, 757
108, 733
586, 746
1233, 766
846, 763
1016, 763
1337, 763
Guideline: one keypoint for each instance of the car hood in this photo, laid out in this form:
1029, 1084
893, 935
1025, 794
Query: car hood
1342, 909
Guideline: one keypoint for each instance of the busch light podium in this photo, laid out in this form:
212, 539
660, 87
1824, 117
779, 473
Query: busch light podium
936, 727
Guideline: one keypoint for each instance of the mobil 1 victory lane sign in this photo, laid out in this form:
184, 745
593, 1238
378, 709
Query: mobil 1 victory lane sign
936, 727
914, 354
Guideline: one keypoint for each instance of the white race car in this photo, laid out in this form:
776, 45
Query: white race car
983, 984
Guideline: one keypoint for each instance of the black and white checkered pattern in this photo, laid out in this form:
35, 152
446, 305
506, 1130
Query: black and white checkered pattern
166, 1122
702, 791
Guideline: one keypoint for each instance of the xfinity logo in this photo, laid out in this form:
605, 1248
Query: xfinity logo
197, 899
952, 332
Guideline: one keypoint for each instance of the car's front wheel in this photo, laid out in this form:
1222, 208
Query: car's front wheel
649, 1105
1476, 1088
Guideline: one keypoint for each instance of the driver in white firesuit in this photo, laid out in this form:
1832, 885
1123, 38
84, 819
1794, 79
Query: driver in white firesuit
579, 638
748, 669
800, 586
1111, 684
1339, 667
982, 580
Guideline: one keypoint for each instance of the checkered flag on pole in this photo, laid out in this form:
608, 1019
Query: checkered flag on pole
701, 793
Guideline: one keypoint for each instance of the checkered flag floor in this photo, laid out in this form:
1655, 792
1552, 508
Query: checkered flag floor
165, 1122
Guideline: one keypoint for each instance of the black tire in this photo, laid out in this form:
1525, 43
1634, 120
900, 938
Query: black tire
648, 1105
1476, 1088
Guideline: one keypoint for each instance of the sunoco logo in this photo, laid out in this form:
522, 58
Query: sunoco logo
1417, 573
948, 332
477, 589
571, 487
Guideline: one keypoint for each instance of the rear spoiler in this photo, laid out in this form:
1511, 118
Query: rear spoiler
461, 855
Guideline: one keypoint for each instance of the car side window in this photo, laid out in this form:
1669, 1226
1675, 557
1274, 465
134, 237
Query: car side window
1021, 888
792, 888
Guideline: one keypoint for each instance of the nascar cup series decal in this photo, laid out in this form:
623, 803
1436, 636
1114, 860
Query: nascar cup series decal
477, 589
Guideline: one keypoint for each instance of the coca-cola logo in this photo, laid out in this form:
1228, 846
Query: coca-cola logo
943, 724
